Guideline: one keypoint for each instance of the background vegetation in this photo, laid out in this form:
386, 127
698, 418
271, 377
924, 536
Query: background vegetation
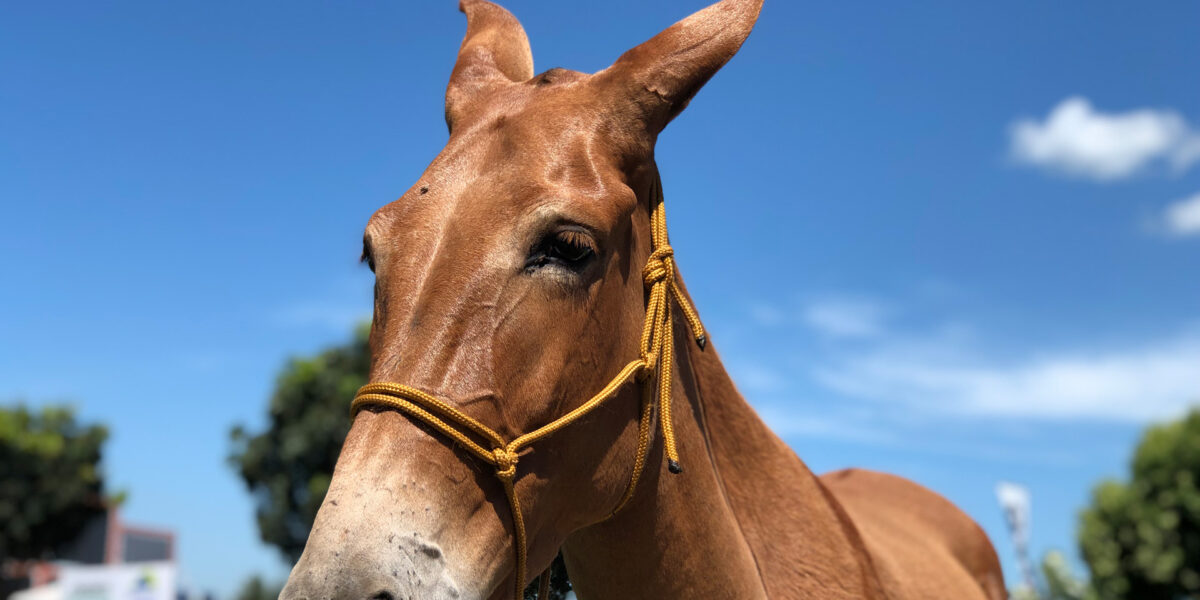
1141, 538
50, 479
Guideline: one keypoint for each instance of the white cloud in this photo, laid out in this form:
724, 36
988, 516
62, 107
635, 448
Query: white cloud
1153, 381
845, 318
906, 376
1078, 140
1183, 217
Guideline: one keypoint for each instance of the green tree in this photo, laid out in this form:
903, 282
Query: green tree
256, 588
50, 479
289, 465
1141, 539
1061, 583
1058, 582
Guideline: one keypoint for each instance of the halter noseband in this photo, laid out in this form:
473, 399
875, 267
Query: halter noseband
657, 354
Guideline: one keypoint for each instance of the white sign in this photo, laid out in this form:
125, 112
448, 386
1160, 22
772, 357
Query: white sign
129, 581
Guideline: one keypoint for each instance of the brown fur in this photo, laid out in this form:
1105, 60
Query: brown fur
466, 310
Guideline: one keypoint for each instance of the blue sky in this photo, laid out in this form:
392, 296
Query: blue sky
957, 241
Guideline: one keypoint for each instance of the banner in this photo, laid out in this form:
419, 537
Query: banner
130, 581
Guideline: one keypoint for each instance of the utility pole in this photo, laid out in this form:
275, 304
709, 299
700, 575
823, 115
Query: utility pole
1016, 502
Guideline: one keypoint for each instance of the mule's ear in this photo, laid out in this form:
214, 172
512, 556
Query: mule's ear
494, 52
659, 77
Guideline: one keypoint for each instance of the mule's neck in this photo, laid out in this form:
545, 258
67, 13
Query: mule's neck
745, 519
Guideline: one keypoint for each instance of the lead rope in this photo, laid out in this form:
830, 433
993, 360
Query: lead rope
656, 356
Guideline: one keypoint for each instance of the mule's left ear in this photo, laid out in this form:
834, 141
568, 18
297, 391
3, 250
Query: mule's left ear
494, 52
659, 77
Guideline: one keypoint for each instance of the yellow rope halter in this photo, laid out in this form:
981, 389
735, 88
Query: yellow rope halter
657, 354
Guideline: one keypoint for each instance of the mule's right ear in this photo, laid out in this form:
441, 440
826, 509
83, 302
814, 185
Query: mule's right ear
494, 52
654, 81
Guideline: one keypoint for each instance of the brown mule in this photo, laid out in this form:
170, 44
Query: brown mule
510, 287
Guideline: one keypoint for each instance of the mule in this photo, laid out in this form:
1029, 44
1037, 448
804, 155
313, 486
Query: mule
525, 284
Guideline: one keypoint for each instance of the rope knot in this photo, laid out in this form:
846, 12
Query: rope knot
506, 463
645, 369
660, 266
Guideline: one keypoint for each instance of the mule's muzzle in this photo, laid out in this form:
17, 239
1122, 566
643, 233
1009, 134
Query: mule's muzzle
411, 569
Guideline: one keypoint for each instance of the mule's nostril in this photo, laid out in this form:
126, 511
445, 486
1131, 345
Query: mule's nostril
432, 552
383, 595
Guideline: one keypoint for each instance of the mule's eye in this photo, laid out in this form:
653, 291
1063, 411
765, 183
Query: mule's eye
569, 247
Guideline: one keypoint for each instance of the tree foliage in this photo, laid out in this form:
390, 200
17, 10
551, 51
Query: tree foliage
1061, 583
256, 588
50, 479
1058, 582
1141, 539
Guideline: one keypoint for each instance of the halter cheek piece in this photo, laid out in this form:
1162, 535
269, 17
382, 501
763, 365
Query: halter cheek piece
657, 354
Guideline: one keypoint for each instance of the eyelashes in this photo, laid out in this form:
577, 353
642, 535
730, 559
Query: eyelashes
367, 257
569, 247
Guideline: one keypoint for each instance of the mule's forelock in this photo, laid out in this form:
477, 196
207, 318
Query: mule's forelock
650, 84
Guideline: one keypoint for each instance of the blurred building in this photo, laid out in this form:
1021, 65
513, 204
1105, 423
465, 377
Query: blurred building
108, 560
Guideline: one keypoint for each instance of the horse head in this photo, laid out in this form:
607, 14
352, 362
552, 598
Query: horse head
511, 287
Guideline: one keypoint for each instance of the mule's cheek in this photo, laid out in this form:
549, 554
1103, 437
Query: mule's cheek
404, 518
